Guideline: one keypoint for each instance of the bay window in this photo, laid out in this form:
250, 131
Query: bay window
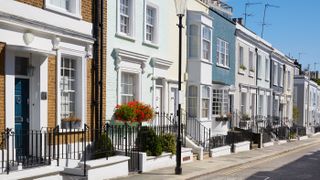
205, 101
222, 53
206, 43
192, 101
193, 41
220, 102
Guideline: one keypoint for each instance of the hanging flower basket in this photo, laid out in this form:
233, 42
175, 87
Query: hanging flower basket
133, 112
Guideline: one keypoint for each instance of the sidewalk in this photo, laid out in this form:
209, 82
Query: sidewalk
211, 165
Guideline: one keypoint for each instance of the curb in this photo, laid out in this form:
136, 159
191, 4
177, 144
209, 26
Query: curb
254, 160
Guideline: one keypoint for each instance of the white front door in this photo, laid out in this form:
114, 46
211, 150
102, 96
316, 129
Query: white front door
173, 101
158, 100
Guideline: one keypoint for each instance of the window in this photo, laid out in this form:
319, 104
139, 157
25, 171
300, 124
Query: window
275, 74
222, 53
269, 105
289, 80
276, 107
192, 101
205, 101
68, 87
267, 69
281, 76
151, 24
206, 43
243, 104
21, 64
220, 102
241, 58
128, 87
251, 68
70, 7
125, 17
193, 41
260, 108
260, 72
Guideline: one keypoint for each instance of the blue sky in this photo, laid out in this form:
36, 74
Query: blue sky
294, 27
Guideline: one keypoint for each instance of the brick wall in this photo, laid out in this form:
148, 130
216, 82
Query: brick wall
2, 86
89, 86
86, 7
52, 90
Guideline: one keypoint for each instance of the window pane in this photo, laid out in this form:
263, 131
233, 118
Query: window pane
193, 41
21, 64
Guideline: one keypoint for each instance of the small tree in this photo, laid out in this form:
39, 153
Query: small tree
295, 114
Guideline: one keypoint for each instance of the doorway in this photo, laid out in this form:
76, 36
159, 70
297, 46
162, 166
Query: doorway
21, 117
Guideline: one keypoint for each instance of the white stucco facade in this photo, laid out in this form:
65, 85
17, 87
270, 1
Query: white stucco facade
153, 65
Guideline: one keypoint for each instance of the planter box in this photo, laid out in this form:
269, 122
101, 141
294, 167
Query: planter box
99, 169
149, 163
224, 119
268, 144
282, 141
70, 125
302, 138
220, 151
242, 146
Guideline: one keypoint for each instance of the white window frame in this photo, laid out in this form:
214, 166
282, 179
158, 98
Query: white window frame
220, 102
155, 24
267, 62
223, 52
243, 103
135, 90
251, 60
131, 34
205, 97
259, 64
275, 74
241, 57
76, 12
203, 28
81, 84
194, 97
261, 105
281, 76
191, 44
289, 81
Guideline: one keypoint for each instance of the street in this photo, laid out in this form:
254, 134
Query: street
299, 164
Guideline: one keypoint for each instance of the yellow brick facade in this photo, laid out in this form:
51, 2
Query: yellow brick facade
52, 90
2, 86
86, 7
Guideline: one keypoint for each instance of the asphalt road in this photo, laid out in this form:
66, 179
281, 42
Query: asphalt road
296, 165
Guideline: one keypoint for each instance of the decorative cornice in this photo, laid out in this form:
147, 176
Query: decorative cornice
161, 63
9, 18
124, 55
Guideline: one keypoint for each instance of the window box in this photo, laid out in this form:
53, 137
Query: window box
245, 117
222, 118
242, 67
71, 123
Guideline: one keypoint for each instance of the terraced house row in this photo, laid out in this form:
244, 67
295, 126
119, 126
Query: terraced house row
64, 61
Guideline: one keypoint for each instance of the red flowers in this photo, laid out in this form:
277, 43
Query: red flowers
133, 111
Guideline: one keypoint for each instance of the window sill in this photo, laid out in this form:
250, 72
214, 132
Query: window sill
125, 37
242, 72
61, 11
267, 80
222, 66
150, 44
206, 61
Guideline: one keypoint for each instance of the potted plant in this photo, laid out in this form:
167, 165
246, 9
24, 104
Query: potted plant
242, 67
71, 122
245, 117
133, 112
220, 118
251, 70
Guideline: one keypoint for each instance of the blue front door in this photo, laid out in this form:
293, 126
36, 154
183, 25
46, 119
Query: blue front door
21, 117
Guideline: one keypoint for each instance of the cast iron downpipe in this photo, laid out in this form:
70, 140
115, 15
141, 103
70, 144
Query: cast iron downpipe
257, 92
101, 62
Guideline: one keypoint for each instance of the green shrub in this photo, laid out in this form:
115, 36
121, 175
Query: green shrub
103, 147
168, 143
149, 142
292, 135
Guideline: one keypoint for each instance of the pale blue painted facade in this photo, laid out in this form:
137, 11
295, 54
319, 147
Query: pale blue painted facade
223, 28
